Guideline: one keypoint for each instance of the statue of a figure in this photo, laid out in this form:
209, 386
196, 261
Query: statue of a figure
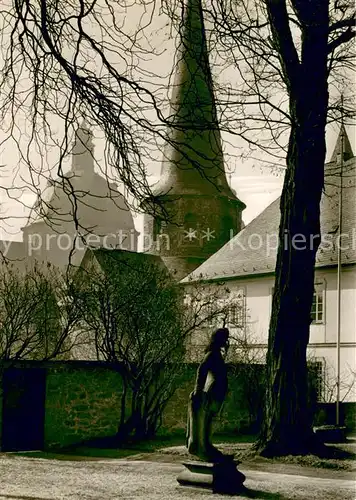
207, 398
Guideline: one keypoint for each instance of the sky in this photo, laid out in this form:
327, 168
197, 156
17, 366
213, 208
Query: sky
256, 186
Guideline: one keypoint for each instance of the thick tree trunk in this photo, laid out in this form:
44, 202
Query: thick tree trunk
287, 423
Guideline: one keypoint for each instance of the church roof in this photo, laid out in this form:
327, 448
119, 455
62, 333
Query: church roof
253, 251
98, 206
109, 259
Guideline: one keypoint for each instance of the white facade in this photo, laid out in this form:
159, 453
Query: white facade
248, 261
323, 334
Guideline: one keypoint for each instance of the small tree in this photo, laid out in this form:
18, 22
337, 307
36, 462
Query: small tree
248, 364
325, 380
219, 305
36, 320
141, 320
347, 384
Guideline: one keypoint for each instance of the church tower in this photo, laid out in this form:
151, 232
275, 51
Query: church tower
196, 211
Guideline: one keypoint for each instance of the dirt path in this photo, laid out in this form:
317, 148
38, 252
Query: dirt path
40, 479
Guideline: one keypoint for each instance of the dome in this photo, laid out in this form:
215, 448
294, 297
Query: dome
82, 196
96, 204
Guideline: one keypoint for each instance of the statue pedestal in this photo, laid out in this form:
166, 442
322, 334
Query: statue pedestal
220, 477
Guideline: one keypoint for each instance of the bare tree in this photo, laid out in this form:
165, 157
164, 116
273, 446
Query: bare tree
36, 320
141, 320
82, 60
62, 63
326, 382
292, 60
347, 385
288, 54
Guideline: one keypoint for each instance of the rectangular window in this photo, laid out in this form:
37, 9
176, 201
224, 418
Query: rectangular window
236, 314
316, 377
229, 312
317, 310
211, 312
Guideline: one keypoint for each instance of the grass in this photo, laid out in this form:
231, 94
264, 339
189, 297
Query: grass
337, 457
341, 457
107, 447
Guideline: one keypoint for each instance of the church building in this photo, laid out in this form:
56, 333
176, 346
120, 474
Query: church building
192, 214
196, 211
77, 210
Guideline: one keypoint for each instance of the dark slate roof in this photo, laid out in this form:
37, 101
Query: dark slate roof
342, 141
108, 258
253, 251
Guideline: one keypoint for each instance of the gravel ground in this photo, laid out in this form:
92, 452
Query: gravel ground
24, 478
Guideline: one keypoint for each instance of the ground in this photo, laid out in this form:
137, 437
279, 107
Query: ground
153, 476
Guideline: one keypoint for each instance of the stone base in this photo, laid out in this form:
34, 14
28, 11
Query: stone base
220, 477
331, 433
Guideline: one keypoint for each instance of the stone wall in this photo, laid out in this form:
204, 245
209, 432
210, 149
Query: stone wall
326, 415
241, 411
82, 402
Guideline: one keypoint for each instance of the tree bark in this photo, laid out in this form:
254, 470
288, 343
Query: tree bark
287, 423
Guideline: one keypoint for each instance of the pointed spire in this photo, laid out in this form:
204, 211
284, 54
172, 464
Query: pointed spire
348, 153
83, 149
193, 101
193, 160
